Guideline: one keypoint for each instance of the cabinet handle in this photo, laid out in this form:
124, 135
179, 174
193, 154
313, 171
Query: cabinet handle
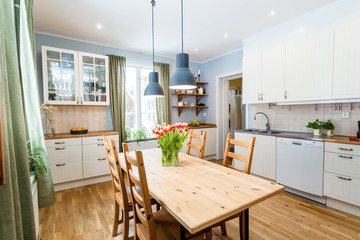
100, 144
59, 142
285, 94
62, 148
101, 159
343, 178
346, 157
61, 165
100, 140
345, 149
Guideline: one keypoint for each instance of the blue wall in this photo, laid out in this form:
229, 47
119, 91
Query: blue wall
51, 41
210, 70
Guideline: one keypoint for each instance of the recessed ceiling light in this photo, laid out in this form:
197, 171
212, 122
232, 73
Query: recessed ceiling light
226, 36
272, 13
196, 49
99, 26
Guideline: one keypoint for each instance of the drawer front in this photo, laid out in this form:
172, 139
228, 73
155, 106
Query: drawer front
96, 167
66, 171
64, 154
348, 165
98, 139
343, 148
63, 142
93, 151
343, 188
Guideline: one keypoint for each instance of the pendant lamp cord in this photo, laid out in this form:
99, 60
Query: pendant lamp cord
182, 26
153, 35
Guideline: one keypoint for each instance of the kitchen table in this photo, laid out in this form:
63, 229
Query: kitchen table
200, 193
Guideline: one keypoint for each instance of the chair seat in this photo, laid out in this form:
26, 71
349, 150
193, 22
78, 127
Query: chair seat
167, 227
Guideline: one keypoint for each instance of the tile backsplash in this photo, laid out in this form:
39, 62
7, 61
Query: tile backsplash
296, 117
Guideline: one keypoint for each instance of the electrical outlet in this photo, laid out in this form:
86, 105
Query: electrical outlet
204, 114
345, 115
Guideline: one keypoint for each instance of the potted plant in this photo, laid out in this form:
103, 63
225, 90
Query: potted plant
316, 126
329, 127
170, 139
140, 134
36, 164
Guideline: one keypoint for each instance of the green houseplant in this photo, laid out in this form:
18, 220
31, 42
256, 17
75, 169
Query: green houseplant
127, 133
316, 126
329, 127
35, 157
140, 134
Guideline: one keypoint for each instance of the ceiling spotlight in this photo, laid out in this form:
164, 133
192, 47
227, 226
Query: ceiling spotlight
226, 36
272, 13
99, 26
196, 49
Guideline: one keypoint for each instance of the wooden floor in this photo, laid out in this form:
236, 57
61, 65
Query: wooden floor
87, 213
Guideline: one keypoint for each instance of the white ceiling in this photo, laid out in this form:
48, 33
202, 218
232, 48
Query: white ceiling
126, 24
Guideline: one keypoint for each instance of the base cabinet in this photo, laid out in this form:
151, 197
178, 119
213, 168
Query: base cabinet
264, 157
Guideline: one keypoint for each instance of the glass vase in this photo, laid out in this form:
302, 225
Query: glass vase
166, 159
174, 158
51, 129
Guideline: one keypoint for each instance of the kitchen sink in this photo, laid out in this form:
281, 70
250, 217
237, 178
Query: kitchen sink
262, 131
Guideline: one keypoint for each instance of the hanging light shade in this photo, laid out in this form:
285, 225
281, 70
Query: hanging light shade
153, 89
182, 77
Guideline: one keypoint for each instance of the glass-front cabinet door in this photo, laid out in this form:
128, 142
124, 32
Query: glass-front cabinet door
94, 79
60, 70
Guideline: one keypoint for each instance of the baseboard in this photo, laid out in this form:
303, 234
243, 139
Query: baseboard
81, 182
343, 206
309, 196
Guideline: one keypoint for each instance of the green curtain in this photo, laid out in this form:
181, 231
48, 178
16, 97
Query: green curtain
16, 210
117, 69
163, 105
25, 39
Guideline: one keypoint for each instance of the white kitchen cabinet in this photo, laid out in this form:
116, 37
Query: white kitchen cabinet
60, 76
346, 83
273, 74
252, 76
74, 78
342, 172
264, 157
309, 66
210, 144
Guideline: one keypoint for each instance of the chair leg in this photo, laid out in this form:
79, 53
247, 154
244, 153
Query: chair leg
126, 225
158, 207
116, 219
242, 225
208, 235
223, 229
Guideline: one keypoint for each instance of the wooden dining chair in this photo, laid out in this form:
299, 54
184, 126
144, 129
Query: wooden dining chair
148, 225
200, 148
247, 160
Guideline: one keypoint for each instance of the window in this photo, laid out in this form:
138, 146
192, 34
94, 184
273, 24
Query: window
139, 110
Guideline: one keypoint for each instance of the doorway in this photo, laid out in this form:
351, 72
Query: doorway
223, 108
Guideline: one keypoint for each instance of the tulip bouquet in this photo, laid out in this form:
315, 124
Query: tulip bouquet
170, 139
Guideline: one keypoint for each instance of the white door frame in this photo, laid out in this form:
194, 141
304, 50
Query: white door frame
222, 106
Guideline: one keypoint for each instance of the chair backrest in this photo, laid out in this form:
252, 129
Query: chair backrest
141, 196
246, 159
190, 145
117, 176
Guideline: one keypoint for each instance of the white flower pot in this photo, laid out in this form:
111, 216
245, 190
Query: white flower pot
317, 132
329, 133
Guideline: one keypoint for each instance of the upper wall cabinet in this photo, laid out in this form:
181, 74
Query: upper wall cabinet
309, 65
273, 74
346, 83
74, 78
252, 76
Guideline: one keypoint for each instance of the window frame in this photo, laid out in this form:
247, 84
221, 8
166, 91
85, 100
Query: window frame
138, 65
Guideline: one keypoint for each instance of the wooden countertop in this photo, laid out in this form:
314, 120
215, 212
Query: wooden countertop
89, 134
341, 139
203, 125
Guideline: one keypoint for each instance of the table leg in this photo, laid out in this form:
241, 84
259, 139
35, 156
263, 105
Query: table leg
182, 232
246, 224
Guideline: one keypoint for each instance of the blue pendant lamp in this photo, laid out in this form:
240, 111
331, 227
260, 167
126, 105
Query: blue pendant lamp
153, 89
182, 78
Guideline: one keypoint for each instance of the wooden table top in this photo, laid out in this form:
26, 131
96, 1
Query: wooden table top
341, 139
199, 193
89, 134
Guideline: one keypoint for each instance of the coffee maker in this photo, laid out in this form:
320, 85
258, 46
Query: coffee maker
358, 133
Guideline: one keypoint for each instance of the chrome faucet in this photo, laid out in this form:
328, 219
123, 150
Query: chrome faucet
267, 125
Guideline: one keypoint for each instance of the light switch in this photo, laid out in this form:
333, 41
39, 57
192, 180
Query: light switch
204, 114
345, 115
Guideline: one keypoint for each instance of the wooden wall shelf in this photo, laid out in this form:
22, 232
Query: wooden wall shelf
197, 108
201, 83
198, 96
